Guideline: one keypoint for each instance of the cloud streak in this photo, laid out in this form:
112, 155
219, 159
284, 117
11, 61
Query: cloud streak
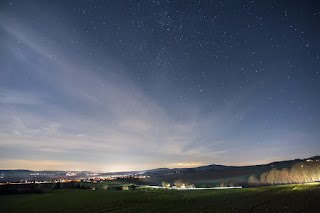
62, 108
121, 121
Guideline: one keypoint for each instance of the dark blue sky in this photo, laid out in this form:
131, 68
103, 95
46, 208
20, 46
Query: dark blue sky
124, 85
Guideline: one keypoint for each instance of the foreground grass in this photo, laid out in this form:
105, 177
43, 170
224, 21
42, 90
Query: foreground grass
288, 198
216, 182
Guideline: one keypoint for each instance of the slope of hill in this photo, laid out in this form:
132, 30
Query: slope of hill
289, 198
212, 175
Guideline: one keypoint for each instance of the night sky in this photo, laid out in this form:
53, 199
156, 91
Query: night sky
132, 85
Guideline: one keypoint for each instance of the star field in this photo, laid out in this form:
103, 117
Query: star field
144, 84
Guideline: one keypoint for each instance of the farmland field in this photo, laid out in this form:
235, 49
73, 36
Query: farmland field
284, 198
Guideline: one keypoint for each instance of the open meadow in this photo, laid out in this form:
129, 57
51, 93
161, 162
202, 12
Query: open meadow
281, 198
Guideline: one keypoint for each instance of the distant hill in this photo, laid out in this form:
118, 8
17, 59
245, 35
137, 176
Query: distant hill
209, 175
212, 175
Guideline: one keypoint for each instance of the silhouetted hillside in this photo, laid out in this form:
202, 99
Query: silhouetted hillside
212, 175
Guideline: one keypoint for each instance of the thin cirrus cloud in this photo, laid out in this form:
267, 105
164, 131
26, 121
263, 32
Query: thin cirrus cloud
60, 109
79, 112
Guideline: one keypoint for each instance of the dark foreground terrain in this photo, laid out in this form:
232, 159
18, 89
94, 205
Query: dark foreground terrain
285, 198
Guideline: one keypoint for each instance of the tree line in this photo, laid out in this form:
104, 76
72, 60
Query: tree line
178, 184
305, 172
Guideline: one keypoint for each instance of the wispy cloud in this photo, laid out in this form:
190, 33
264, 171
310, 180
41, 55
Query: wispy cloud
64, 109
80, 108
186, 165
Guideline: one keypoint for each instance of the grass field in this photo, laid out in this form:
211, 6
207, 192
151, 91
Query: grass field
217, 182
286, 198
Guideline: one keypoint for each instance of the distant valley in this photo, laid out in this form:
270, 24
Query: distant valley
204, 176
